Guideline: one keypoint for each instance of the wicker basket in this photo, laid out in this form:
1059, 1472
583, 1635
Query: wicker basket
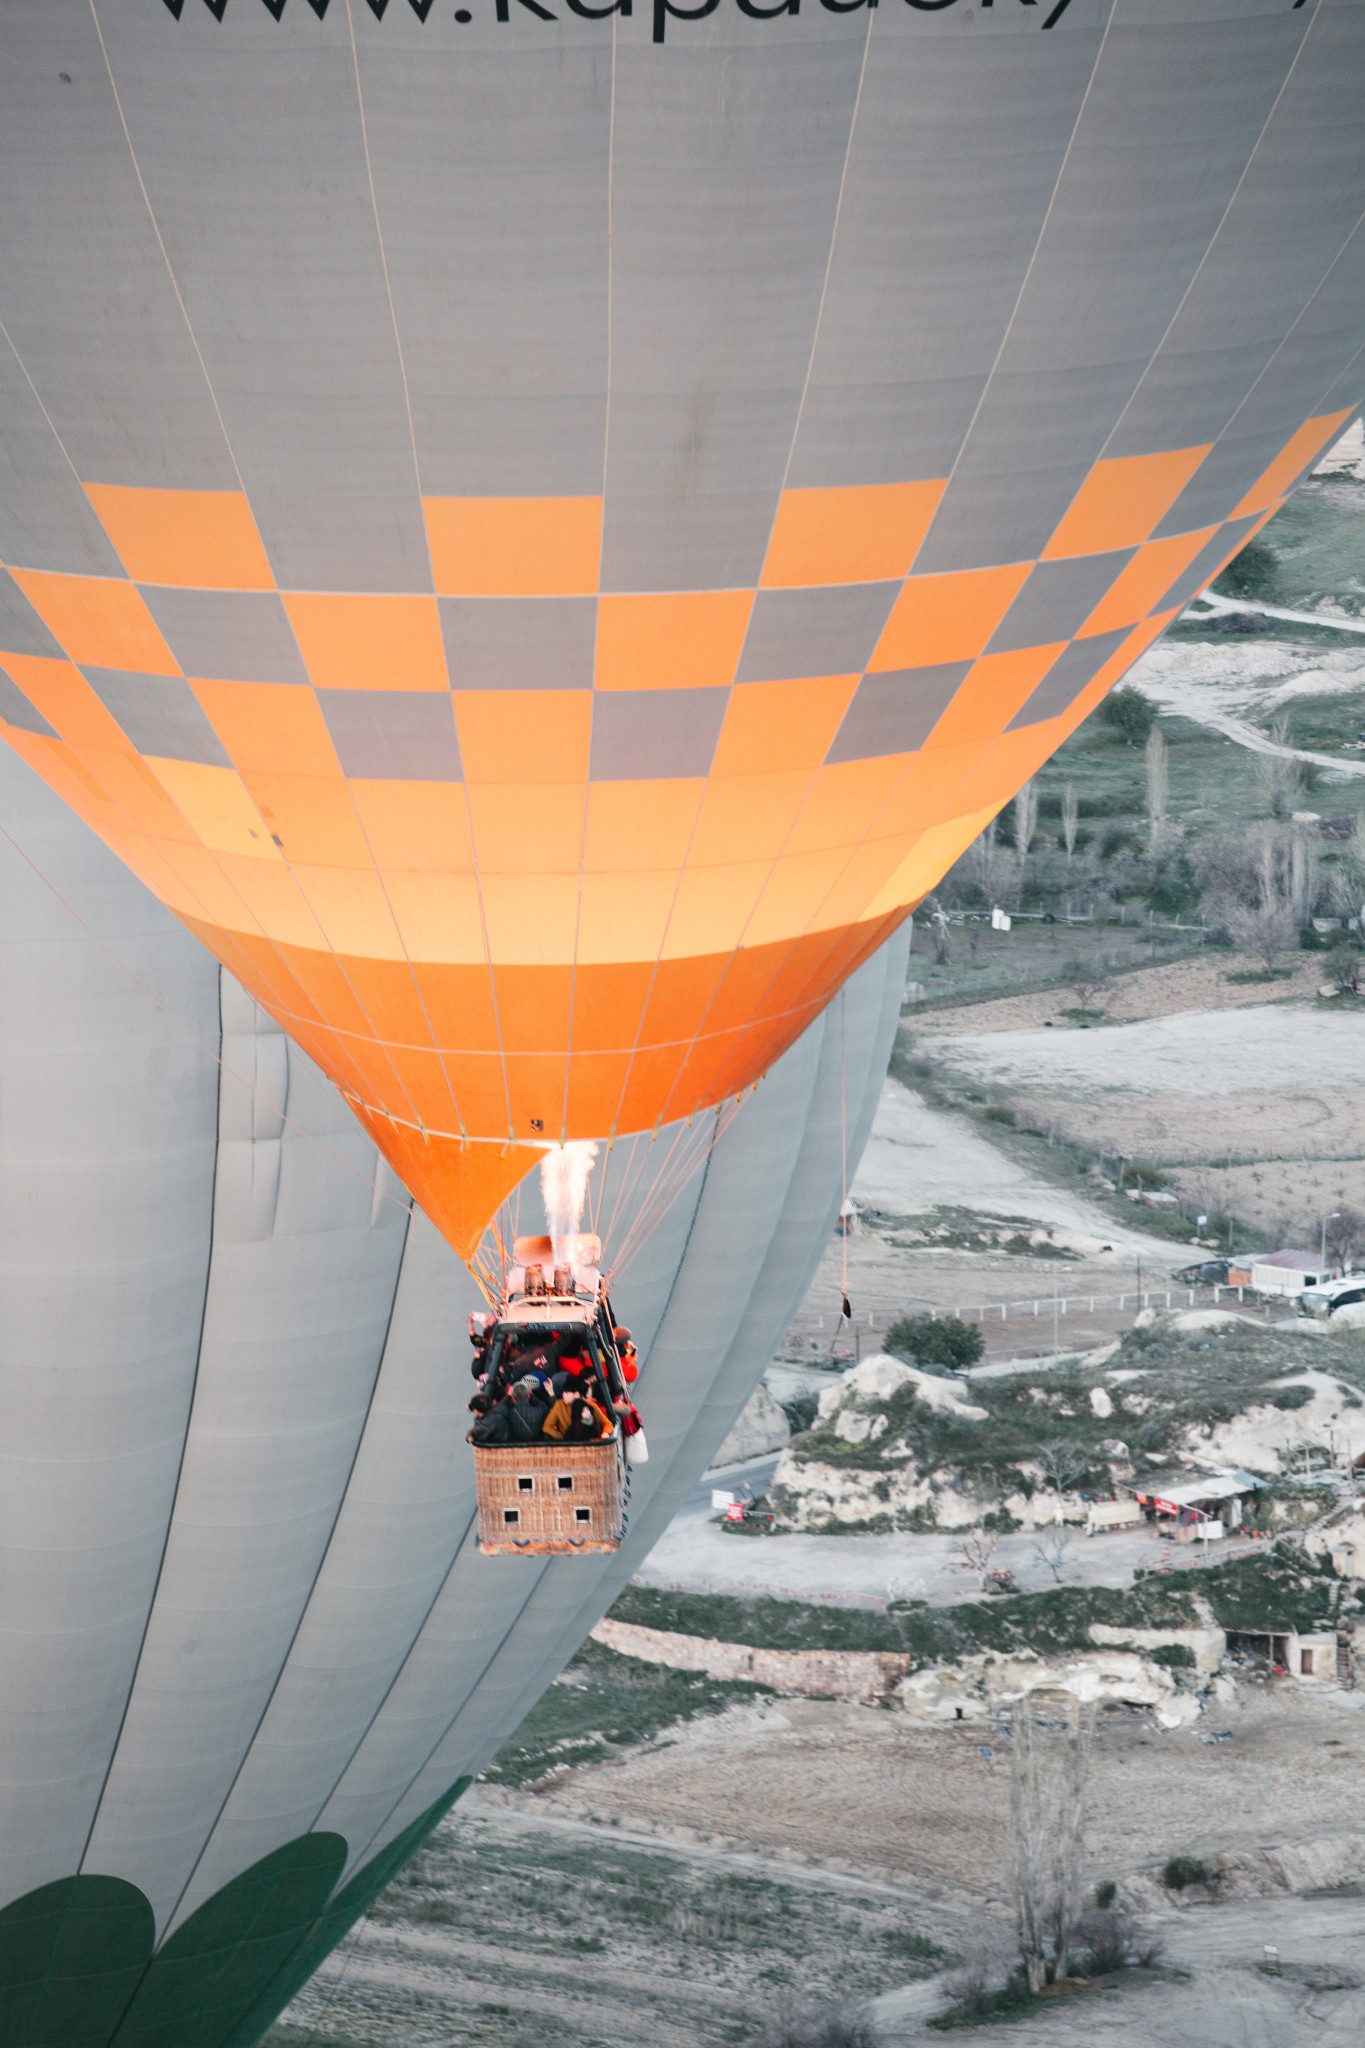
544, 1500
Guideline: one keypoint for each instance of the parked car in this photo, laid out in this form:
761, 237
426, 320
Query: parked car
1205, 1273
1325, 1301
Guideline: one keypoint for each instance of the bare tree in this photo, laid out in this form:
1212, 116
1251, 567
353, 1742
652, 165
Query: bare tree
1281, 775
1158, 786
1062, 1464
1053, 1548
1267, 932
1025, 822
1345, 1233
1303, 876
1086, 979
976, 1551
983, 862
1049, 1766
1071, 815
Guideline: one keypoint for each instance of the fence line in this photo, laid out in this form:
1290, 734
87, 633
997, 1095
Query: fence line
1059, 1305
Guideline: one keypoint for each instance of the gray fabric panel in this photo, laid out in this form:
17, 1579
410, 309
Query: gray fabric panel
894, 713
46, 520
814, 632
16, 710
956, 150
505, 335
251, 157
1067, 677
519, 643
722, 210
294, 1330
88, 301
1056, 600
21, 629
240, 636
637, 733
1227, 541
1169, 121
402, 735
106, 1195
160, 714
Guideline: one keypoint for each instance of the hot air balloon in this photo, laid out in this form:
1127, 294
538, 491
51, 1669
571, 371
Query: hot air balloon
540, 531
247, 1652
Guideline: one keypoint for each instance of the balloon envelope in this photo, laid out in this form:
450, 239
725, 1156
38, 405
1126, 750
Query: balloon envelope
542, 533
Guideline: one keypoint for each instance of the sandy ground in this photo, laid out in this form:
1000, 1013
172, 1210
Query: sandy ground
1180, 985
857, 1570
861, 1789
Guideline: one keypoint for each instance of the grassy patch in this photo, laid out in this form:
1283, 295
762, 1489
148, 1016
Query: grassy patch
604, 1703
1057, 1620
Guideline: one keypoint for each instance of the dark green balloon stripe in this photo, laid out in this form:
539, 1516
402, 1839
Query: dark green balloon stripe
341, 1915
77, 1968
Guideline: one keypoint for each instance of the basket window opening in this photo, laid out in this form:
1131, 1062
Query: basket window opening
525, 1484
566, 1482
511, 1514
582, 1514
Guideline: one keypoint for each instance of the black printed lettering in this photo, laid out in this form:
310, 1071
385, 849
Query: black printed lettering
599, 13
1058, 11
664, 8
532, 7
767, 13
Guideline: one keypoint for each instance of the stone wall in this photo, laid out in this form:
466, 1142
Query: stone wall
816, 1674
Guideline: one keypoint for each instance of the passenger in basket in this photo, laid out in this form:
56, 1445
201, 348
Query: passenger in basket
575, 1419
527, 1409
492, 1421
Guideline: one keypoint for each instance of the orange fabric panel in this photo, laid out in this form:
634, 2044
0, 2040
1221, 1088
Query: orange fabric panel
98, 620
311, 818
682, 993
268, 970
1144, 581
995, 688
514, 835
369, 643
143, 802
530, 918
217, 805
747, 817
459, 1002
352, 910
514, 547
671, 640
743, 991
947, 618
419, 826
596, 1080
272, 896
608, 1001
772, 726
1301, 449
844, 796
437, 915
534, 1007
66, 700
459, 1186
858, 533
527, 736
713, 907
198, 540
796, 889
629, 823
278, 727
1121, 501
624, 917
387, 990
536, 1085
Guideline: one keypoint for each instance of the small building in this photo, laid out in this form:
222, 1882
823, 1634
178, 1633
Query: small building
1289, 1272
1203, 1509
1308, 1654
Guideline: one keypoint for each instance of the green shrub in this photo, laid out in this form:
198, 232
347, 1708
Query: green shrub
1174, 1656
1291, 1397
1130, 714
1106, 1891
1182, 1871
936, 1340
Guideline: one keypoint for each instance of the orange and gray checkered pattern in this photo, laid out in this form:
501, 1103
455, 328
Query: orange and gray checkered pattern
541, 548
519, 854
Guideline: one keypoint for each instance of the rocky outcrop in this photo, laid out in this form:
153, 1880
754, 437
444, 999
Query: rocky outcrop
866, 1675
760, 1426
975, 1687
